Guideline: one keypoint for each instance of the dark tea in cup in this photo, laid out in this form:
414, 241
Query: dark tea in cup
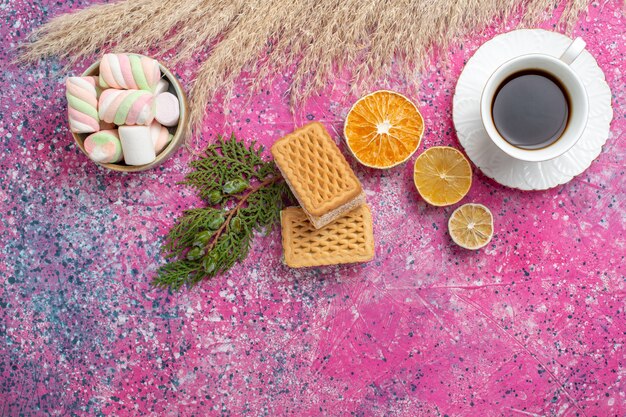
531, 109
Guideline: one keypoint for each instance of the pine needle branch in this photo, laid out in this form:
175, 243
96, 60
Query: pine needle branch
244, 194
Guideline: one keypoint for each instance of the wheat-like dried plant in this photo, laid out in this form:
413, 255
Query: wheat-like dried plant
263, 37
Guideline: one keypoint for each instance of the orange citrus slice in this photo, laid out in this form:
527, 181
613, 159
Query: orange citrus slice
471, 226
383, 129
442, 175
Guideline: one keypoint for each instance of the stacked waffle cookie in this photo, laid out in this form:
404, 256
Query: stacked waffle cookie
126, 110
334, 223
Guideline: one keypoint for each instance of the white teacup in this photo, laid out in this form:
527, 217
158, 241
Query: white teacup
560, 69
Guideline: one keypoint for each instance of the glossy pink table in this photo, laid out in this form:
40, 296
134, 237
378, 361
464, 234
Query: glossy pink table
533, 325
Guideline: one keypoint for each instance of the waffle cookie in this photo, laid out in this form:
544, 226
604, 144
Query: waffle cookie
318, 174
349, 239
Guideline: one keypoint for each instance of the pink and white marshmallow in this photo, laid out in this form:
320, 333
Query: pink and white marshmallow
160, 136
126, 107
167, 109
129, 72
82, 104
104, 147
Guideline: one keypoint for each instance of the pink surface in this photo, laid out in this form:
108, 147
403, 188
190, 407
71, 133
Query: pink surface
533, 325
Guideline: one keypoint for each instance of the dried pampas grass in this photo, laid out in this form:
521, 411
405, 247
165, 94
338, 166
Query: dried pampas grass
264, 37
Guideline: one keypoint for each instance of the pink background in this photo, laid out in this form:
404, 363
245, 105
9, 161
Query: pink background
533, 325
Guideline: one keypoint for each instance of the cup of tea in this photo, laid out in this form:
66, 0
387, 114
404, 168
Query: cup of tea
535, 107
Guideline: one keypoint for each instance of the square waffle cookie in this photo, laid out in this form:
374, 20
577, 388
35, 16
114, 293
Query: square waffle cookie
318, 174
347, 240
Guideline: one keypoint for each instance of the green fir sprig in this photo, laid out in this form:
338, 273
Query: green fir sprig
243, 192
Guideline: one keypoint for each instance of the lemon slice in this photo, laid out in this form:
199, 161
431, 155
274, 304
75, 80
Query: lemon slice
442, 175
471, 226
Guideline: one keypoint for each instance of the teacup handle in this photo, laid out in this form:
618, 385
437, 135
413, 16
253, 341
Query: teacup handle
573, 51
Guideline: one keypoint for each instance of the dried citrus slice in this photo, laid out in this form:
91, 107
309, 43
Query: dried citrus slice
383, 129
471, 226
442, 175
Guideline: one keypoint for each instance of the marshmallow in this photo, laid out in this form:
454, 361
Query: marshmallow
103, 125
167, 109
137, 145
129, 72
160, 136
162, 87
127, 107
104, 147
82, 104
96, 81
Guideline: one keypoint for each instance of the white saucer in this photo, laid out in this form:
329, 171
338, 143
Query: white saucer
492, 161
